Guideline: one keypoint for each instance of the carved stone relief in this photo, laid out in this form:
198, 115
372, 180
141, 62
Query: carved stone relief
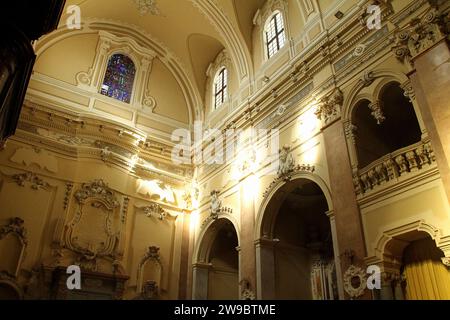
286, 162
150, 273
329, 108
13, 243
95, 229
31, 179
156, 211
420, 35
377, 112
355, 281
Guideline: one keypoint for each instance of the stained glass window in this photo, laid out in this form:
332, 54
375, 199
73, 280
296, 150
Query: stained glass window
119, 78
275, 35
220, 87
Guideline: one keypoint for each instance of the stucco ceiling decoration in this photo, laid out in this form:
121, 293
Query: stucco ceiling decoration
147, 7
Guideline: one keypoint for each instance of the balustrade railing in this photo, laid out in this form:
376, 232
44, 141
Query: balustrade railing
394, 165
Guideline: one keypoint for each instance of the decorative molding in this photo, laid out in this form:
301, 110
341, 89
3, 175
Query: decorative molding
105, 245
222, 60
216, 207
408, 90
155, 210
392, 166
268, 9
394, 234
108, 45
421, 34
147, 7
377, 111
32, 179
149, 101
352, 273
97, 189
286, 163
329, 108
216, 204
69, 188
126, 201
152, 253
16, 227
297, 169
367, 78
350, 132
150, 287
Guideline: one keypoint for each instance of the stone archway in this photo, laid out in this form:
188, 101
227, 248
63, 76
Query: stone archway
297, 252
413, 263
216, 272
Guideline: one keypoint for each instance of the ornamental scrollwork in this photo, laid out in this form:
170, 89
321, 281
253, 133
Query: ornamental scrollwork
16, 227
216, 204
216, 208
151, 254
97, 189
301, 168
286, 162
329, 108
420, 35
35, 182
155, 210
350, 275
377, 112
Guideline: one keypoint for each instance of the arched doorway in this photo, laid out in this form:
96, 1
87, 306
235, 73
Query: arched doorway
421, 273
216, 273
295, 254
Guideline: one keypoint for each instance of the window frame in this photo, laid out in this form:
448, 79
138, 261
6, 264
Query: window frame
278, 33
105, 70
223, 74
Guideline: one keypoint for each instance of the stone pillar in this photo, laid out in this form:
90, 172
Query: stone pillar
337, 258
422, 45
247, 266
431, 83
349, 230
185, 258
200, 281
265, 272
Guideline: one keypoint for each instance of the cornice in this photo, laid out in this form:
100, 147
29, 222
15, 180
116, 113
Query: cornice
83, 136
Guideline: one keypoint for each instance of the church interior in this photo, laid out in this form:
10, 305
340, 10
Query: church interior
225, 149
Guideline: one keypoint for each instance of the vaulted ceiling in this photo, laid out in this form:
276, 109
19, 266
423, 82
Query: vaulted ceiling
195, 31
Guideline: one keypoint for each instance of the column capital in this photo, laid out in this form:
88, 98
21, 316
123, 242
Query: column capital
420, 35
408, 90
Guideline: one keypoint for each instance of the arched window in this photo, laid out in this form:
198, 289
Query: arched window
384, 126
275, 34
220, 87
119, 78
